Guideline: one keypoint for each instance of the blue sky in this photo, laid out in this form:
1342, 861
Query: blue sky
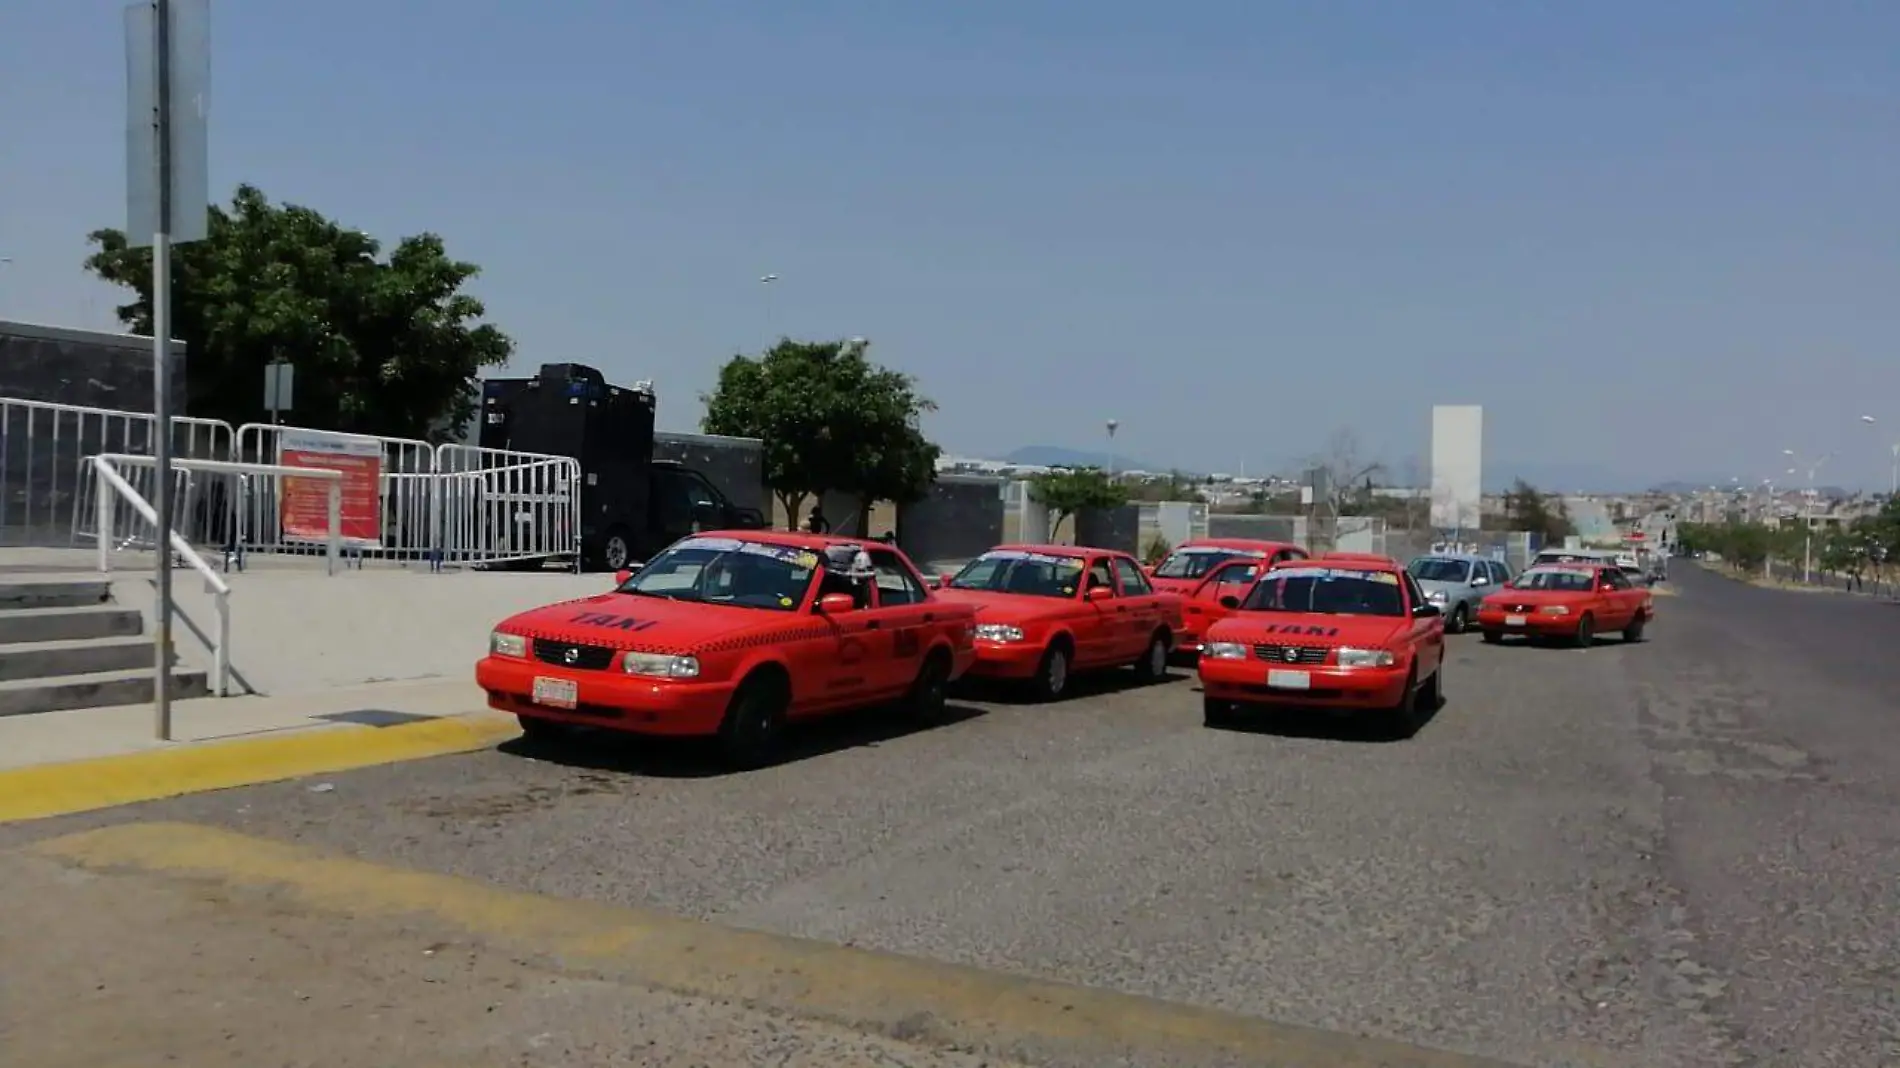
1654, 240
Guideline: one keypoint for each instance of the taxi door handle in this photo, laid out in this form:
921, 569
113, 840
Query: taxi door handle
875, 624
1121, 608
930, 617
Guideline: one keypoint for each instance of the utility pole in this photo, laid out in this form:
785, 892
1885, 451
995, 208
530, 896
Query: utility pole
167, 81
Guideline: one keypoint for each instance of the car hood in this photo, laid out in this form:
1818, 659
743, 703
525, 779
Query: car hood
1294, 628
646, 624
994, 607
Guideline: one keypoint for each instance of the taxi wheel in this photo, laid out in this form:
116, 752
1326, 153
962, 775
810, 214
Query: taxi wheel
1493, 636
928, 695
1153, 665
1052, 675
754, 727
1586, 635
1634, 632
1460, 619
1216, 713
1402, 720
535, 729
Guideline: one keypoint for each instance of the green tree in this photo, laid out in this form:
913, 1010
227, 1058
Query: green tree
831, 420
1068, 491
1528, 510
1156, 550
380, 346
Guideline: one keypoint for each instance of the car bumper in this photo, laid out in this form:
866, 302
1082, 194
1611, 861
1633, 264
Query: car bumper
1534, 623
1005, 660
1249, 682
607, 699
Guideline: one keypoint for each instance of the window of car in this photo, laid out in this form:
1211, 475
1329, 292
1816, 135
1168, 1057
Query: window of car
1561, 579
1020, 571
1616, 579
1328, 591
1233, 580
1412, 589
1195, 561
896, 585
1134, 583
728, 571
1100, 575
1440, 569
1500, 574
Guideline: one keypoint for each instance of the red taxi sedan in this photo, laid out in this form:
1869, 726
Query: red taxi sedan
1044, 612
1571, 602
1355, 637
733, 635
1191, 562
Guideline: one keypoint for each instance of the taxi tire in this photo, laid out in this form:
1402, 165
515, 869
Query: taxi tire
1586, 634
1493, 637
753, 730
1634, 632
1217, 713
536, 730
1153, 665
929, 694
1402, 720
1050, 683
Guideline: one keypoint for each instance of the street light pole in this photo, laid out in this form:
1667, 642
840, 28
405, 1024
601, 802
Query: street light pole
1112, 425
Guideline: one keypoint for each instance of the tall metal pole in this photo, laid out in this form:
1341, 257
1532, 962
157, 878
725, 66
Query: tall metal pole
161, 380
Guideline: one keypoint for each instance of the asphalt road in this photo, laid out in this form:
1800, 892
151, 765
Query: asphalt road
1677, 853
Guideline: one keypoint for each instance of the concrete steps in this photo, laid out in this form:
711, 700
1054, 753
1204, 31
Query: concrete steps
64, 645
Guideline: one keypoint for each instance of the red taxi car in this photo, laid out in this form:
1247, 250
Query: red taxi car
733, 635
1044, 612
1574, 602
1352, 636
1191, 562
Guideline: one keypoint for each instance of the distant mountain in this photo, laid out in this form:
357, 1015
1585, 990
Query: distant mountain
1057, 456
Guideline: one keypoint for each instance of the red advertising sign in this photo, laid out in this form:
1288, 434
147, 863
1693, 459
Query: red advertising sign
304, 503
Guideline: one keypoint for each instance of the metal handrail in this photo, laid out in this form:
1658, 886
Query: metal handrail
333, 533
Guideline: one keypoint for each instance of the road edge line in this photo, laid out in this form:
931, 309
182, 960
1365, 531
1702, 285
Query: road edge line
908, 998
40, 791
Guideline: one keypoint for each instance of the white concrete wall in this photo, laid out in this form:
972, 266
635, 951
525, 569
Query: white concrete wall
1457, 466
300, 631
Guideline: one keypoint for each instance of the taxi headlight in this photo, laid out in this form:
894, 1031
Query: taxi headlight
1355, 658
1555, 610
501, 643
660, 665
998, 632
1224, 651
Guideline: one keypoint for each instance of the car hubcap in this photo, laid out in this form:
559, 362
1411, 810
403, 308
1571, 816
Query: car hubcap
1157, 657
616, 553
1058, 672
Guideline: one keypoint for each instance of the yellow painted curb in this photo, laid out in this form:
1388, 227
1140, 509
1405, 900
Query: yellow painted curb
919, 1001
84, 785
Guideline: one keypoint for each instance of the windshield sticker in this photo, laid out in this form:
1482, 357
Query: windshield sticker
712, 545
807, 559
1039, 558
786, 602
1327, 574
1068, 591
1384, 578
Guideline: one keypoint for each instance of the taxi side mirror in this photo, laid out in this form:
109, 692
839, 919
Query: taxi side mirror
1100, 593
1230, 601
837, 604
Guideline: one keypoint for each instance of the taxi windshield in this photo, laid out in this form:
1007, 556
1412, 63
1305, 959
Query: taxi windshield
1563, 580
1328, 591
1196, 562
1438, 569
728, 571
1010, 571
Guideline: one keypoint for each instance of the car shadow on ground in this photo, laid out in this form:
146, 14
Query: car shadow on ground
1081, 687
1563, 645
698, 758
1290, 722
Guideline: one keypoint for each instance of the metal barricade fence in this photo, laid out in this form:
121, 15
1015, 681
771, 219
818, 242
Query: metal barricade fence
42, 445
404, 488
497, 507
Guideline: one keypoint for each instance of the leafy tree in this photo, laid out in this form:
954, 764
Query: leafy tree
831, 420
1528, 510
1156, 550
1066, 492
380, 346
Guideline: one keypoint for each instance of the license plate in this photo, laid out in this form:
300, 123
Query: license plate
1289, 680
556, 693
1514, 621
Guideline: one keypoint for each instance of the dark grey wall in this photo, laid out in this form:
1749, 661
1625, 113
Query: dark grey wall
1109, 528
41, 447
735, 465
961, 517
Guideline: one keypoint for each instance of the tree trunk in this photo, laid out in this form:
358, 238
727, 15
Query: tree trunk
793, 501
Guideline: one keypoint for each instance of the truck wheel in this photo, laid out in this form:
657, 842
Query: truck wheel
753, 731
616, 549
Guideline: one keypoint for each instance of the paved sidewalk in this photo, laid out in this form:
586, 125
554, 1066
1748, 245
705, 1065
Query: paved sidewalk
85, 733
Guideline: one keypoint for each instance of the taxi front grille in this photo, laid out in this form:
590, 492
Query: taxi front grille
573, 655
1291, 654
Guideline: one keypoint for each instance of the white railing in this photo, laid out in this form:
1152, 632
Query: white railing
214, 585
333, 494
498, 506
404, 519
